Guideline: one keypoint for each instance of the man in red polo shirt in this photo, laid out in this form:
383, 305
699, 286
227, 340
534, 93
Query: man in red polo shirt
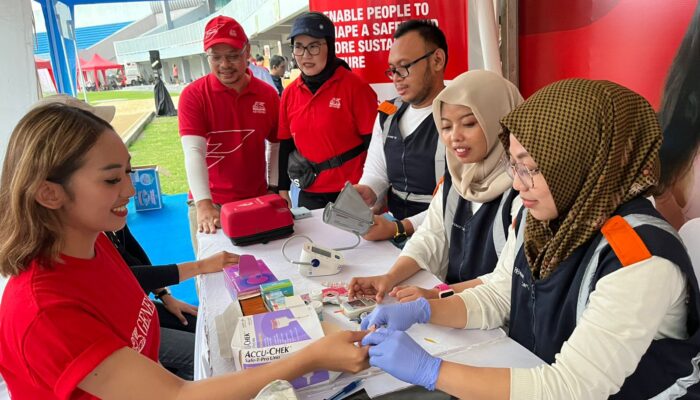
225, 118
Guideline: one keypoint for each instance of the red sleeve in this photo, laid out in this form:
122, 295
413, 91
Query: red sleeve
63, 345
364, 107
190, 113
283, 132
273, 135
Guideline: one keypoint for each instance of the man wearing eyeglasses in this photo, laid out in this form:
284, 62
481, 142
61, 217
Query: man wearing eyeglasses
225, 118
406, 158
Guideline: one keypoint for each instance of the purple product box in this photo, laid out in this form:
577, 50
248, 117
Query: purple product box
243, 280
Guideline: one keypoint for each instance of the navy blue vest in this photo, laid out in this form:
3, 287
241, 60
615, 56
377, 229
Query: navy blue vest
473, 251
544, 312
410, 163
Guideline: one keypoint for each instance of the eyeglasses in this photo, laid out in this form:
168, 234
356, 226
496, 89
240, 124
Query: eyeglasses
230, 58
525, 175
314, 48
402, 70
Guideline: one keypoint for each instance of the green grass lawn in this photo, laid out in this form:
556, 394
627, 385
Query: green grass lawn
159, 144
120, 95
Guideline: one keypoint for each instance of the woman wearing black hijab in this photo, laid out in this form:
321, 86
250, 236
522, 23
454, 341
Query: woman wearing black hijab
326, 117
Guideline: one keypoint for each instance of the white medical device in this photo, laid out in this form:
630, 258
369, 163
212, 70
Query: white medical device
319, 261
349, 213
354, 309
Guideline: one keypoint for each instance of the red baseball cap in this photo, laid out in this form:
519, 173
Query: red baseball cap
225, 30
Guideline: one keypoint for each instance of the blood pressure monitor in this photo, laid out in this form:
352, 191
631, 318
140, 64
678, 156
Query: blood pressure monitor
319, 261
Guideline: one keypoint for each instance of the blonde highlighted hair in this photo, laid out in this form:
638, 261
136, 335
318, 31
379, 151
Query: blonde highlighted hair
48, 144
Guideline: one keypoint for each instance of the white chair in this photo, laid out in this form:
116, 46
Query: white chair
690, 233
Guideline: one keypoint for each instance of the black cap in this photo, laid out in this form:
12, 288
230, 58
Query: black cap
314, 24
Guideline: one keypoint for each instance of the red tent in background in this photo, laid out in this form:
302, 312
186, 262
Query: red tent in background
45, 64
96, 64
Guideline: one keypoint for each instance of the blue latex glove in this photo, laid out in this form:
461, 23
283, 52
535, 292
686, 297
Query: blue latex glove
398, 316
396, 353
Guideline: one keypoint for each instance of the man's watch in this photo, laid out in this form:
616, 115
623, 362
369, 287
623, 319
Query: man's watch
444, 290
400, 231
159, 294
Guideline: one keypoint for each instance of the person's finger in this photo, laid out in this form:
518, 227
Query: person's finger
376, 318
374, 352
404, 291
379, 296
181, 317
406, 299
375, 337
355, 336
190, 309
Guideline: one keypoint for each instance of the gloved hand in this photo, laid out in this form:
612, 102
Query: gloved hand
399, 316
396, 353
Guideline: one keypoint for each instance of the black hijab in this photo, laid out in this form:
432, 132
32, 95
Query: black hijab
318, 25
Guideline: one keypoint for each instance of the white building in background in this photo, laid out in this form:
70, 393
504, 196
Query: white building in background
267, 23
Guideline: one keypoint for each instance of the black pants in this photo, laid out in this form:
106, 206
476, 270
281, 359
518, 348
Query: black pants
176, 351
168, 320
314, 201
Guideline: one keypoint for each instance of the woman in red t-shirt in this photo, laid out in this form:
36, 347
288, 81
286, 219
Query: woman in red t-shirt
326, 116
74, 322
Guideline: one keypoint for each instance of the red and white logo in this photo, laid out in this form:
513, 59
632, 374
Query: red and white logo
213, 31
259, 107
139, 335
232, 33
218, 150
335, 103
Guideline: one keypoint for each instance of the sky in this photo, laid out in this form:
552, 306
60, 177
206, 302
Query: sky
98, 14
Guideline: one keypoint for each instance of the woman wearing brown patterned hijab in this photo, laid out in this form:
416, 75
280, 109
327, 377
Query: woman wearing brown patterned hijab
595, 282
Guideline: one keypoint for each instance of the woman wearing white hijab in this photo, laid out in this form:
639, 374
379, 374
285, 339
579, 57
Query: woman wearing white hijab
468, 220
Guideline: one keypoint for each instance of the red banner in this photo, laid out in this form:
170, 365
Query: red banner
364, 29
630, 42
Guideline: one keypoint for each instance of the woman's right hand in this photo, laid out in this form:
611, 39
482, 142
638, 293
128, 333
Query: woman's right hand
409, 293
338, 352
398, 317
217, 262
377, 286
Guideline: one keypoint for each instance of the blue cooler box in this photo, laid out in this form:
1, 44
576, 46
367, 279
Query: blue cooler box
147, 185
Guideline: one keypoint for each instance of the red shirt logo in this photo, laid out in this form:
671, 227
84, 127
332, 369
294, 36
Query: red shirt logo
334, 103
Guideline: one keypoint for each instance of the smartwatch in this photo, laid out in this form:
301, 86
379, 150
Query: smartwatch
444, 290
400, 231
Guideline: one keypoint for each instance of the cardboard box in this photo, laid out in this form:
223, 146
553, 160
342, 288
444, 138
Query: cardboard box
264, 338
147, 185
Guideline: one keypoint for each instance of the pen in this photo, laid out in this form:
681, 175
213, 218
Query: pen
347, 389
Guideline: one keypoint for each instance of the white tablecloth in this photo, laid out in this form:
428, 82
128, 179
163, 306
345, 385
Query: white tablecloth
483, 348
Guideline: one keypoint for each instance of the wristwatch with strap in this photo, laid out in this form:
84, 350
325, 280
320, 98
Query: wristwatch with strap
164, 292
400, 231
444, 290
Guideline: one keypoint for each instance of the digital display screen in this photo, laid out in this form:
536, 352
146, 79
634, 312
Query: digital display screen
320, 251
356, 303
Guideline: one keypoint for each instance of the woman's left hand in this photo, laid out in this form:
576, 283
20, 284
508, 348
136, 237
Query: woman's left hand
217, 262
396, 353
382, 229
178, 308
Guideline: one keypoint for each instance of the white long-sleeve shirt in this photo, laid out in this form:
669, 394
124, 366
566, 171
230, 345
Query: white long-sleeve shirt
375, 173
428, 245
615, 330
